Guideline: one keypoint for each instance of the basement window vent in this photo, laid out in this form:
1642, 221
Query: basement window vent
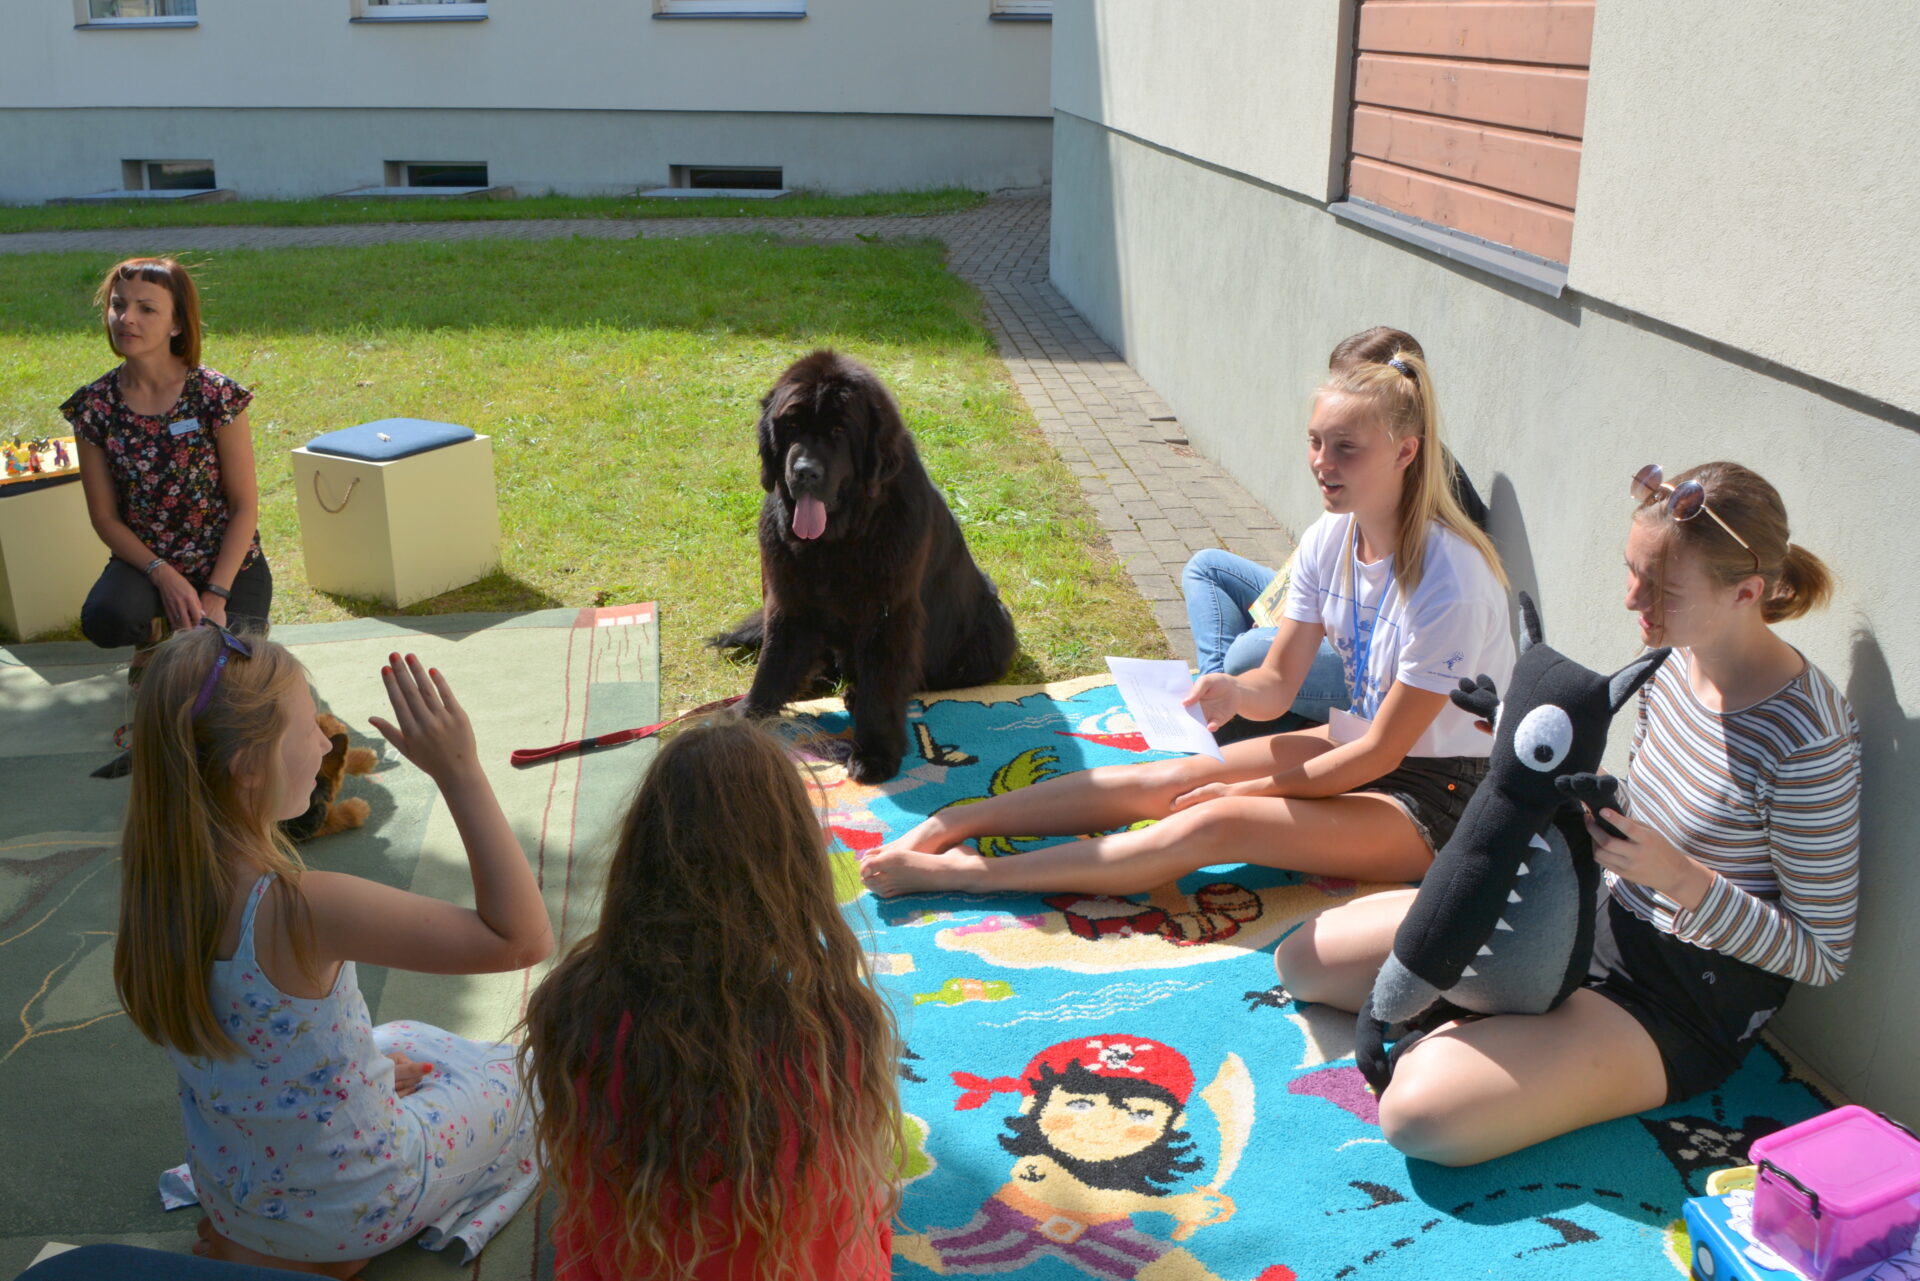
167, 175
727, 178
436, 173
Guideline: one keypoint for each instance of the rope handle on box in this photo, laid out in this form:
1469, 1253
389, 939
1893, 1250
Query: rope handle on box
333, 511
538, 755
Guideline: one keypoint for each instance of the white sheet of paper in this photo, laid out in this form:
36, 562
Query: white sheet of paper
1153, 688
1344, 727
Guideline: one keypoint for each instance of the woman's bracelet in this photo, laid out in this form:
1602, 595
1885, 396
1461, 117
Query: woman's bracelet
154, 564
214, 589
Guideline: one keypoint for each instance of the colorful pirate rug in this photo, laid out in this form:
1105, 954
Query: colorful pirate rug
1106, 1087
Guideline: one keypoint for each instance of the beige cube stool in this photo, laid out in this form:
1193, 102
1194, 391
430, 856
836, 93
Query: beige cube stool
397, 529
49, 557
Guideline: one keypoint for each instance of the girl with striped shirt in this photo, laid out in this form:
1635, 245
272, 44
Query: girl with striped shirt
1737, 875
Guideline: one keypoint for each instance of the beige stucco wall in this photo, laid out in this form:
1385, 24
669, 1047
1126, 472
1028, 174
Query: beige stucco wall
1750, 173
1227, 294
1245, 84
885, 56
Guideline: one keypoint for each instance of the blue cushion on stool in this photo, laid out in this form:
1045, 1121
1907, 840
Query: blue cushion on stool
388, 439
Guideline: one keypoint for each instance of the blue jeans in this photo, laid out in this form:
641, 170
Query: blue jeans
1220, 589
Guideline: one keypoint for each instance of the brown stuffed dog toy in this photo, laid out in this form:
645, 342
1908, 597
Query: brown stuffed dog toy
326, 815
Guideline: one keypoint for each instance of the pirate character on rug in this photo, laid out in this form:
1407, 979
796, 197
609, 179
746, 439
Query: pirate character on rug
1097, 1139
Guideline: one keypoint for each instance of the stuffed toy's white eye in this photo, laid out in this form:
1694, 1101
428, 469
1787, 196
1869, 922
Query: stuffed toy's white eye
1542, 740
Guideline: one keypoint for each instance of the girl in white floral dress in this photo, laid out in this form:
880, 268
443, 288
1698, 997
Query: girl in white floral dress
314, 1140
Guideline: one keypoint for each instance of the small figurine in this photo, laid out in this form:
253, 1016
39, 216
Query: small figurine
62, 460
14, 466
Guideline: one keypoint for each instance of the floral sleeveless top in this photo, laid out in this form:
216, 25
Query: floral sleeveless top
166, 467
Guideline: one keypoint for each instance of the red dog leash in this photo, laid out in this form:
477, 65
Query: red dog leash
535, 755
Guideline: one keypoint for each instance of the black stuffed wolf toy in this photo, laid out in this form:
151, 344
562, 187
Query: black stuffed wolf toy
1503, 922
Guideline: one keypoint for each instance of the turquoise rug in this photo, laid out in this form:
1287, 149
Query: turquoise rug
1178, 988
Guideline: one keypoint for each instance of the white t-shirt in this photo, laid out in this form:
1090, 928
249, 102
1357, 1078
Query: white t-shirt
1453, 626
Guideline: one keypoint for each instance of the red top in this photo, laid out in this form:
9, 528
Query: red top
586, 1251
869, 1255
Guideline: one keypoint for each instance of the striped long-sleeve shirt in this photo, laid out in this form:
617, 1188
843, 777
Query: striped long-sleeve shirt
1766, 798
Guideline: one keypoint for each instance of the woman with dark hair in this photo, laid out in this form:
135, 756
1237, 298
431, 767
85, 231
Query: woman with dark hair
166, 460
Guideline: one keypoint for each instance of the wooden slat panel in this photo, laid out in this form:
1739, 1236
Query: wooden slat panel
1559, 32
1505, 220
1521, 164
1549, 99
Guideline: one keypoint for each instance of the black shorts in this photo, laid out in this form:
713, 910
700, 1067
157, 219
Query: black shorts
1703, 1010
1433, 790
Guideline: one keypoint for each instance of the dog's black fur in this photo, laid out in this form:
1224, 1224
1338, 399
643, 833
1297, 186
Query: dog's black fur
886, 592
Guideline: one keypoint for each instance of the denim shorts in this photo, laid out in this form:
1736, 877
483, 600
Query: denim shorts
1433, 790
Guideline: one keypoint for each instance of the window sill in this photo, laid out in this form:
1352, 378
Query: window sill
1019, 17
384, 19
743, 13
136, 24
1523, 269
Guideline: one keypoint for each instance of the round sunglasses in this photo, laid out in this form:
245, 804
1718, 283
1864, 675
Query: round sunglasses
1684, 501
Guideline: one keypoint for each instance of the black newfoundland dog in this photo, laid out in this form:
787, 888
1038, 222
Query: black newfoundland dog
863, 570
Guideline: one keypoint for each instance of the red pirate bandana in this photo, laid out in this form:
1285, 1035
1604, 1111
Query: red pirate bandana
1121, 1058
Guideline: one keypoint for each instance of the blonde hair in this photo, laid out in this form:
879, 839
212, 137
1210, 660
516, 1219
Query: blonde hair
189, 817
1797, 581
1399, 390
718, 1036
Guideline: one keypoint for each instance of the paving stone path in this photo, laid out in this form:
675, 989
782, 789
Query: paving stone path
1158, 500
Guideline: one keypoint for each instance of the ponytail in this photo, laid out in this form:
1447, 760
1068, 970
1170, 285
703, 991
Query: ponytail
1805, 584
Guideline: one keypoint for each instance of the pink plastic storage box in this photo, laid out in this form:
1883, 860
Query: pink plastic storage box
1837, 1193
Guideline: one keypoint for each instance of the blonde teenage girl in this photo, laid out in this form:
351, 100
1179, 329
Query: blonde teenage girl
1411, 595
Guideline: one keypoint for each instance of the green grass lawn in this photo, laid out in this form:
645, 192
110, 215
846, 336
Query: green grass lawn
619, 382
314, 213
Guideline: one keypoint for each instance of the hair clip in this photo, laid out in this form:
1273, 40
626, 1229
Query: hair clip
1402, 366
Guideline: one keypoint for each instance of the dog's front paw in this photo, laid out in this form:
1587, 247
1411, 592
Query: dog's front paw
873, 767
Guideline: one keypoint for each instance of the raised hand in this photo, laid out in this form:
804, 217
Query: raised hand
429, 728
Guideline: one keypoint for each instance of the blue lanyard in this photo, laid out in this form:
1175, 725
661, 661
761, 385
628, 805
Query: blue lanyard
1363, 641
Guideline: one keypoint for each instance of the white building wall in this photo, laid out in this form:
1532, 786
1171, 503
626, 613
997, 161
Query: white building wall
1226, 290
290, 97
1750, 175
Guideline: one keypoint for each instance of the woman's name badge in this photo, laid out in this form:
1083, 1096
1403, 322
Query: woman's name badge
1345, 727
184, 426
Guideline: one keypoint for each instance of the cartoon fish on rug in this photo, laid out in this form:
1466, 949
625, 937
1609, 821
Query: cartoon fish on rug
963, 991
1098, 1138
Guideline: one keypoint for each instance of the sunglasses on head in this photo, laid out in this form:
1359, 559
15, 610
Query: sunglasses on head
229, 646
1684, 501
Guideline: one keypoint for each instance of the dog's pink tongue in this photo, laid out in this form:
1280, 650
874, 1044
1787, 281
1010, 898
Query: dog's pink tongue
809, 518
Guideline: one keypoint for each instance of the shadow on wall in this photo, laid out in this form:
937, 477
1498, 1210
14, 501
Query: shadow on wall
1508, 527
1087, 198
1882, 973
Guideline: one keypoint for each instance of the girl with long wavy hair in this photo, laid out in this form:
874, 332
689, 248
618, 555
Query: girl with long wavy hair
713, 1068
314, 1139
1410, 593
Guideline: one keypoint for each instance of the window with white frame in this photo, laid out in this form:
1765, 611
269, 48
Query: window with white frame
415, 10
1023, 8
106, 13
167, 175
730, 8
